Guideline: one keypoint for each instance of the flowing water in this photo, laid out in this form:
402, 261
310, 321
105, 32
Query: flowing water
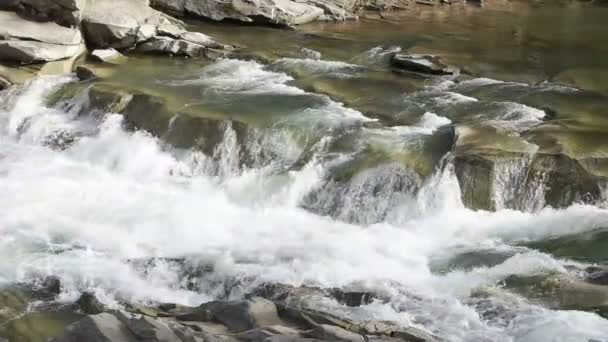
473, 204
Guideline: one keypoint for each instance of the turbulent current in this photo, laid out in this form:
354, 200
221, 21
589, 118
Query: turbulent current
324, 196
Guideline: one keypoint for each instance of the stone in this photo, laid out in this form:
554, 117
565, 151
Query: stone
427, 64
598, 278
51, 285
261, 334
89, 304
63, 12
333, 333
176, 47
96, 328
352, 298
238, 316
4, 83
107, 56
170, 30
104, 26
309, 54
276, 12
200, 39
146, 328
25, 41
84, 73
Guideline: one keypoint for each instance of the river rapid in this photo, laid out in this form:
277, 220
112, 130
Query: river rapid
337, 172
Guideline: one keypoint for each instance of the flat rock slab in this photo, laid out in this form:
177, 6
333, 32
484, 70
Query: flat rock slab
278, 12
26, 41
13, 27
427, 64
107, 56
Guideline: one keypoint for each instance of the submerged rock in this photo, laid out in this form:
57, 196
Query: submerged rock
428, 64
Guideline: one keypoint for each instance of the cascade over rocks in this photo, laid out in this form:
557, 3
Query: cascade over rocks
496, 177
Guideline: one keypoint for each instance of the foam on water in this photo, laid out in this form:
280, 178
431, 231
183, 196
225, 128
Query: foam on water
112, 196
310, 66
233, 75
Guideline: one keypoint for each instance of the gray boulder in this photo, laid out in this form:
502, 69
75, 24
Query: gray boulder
237, 316
277, 12
120, 24
427, 64
63, 12
26, 41
107, 56
120, 326
96, 328
333, 333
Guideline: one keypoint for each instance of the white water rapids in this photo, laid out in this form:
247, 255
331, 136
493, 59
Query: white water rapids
112, 196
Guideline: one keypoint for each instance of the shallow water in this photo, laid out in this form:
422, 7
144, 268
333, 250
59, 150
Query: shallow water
336, 172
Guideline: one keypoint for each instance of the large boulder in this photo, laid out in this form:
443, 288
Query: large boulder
63, 12
138, 25
497, 171
26, 41
277, 12
120, 23
238, 316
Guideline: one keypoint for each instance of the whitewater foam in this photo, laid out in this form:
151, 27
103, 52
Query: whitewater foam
83, 213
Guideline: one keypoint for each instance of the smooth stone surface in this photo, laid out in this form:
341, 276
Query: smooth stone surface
107, 56
25, 41
427, 64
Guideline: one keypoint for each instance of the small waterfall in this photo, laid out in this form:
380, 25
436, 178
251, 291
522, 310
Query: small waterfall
370, 196
516, 186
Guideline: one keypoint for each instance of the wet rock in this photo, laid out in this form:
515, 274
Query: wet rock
427, 64
102, 327
352, 298
14, 75
38, 326
261, 334
333, 333
51, 285
24, 41
277, 12
238, 316
361, 193
13, 302
85, 73
89, 304
175, 47
146, 328
106, 56
309, 54
119, 326
106, 27
63, 12
4, 83
509, 174
598, 278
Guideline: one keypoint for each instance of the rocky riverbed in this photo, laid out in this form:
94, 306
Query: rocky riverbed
303, 171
